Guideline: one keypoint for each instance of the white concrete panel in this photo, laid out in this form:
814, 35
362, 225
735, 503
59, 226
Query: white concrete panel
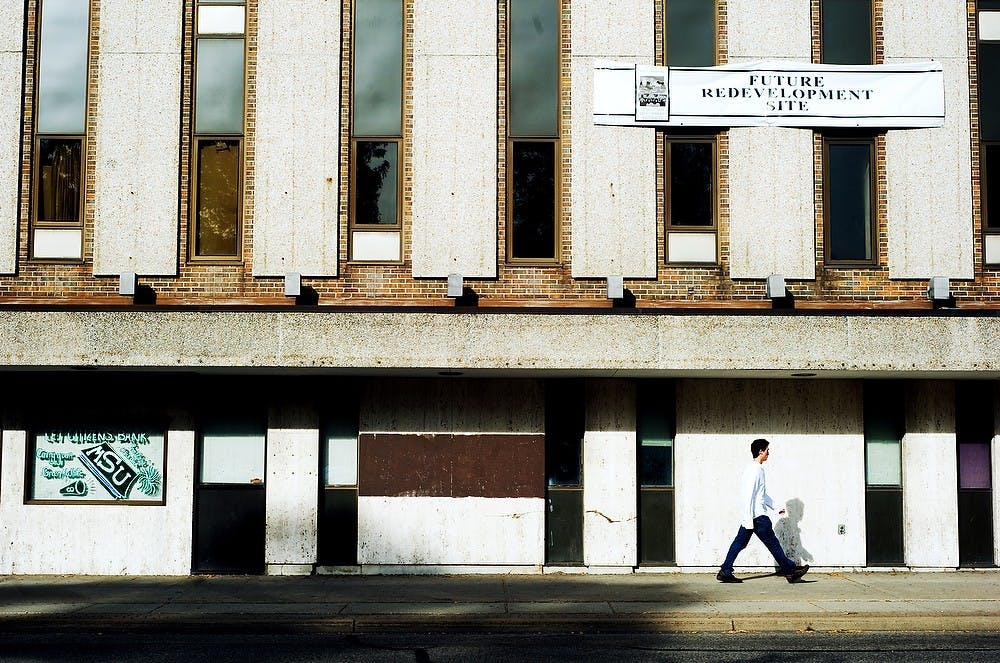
929, 188
134, 540
453, 406
57, 244
375, 246
816, 468
297, 173
691, 247
771, 199
925, 30
446, 530
929, 171
610, 521
773, 29
454, 208
11, 71
137, 138
930, 476
614, 168
613, 189
292, 476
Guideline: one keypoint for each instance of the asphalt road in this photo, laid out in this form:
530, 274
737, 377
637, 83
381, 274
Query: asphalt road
417, 648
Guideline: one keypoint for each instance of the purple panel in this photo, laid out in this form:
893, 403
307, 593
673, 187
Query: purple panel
974, 465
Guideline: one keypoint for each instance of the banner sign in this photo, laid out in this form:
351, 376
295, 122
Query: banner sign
771, 93
97, 466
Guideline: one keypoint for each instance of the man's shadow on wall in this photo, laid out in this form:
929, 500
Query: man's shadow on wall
790, 534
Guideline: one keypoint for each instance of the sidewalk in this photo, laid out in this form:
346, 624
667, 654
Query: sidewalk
642, 602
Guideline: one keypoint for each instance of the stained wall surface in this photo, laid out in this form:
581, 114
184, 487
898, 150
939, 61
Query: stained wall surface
614, 168
929, 171
99, 540
138, 122
930, 476
451, 472
11, 70
297, 152
816, 468
454, 208
609, 470
291, 507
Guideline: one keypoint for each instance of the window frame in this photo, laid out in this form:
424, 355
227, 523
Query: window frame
556, 140
196, 138
857, 139
37, 136
352, 187
668, 226
871, 36
987, 230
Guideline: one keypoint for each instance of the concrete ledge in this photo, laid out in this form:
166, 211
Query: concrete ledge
289, 569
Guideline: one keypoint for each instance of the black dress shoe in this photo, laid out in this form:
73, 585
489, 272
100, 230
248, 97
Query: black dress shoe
797, 573
726, 577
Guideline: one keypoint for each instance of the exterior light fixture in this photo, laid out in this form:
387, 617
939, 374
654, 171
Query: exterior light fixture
455, 285
127, 282
939, 289
775, 287
293, 284
616, 287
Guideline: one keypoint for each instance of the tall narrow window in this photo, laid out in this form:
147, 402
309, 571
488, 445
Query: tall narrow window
690, 200
218, 129
974, 431
690, 33
849, 194
655, 416
988, 58
847, 31
884, 428
564, 429
60, 130
533, 130
376, 130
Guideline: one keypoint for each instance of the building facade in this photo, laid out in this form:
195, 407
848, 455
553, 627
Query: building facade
316, 286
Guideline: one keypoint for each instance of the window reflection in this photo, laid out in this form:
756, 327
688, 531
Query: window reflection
691, 33
377, 173
219, 100
849, 204
534, 67
59, 180
218, 197
378, 68
533, 211
692, 202
62, 67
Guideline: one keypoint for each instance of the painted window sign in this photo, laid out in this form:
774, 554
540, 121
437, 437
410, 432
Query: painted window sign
125, 466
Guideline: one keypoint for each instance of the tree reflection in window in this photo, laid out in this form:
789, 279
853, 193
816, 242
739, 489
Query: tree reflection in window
59, 175
533, 215
376, 183
218, 197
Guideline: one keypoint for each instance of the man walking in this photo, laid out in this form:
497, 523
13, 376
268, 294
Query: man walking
754, 503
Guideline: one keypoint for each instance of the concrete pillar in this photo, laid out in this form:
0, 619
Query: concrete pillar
609, 476
292, 480
930, 476
11, 68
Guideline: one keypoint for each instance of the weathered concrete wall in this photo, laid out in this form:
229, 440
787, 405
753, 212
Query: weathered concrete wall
771, 200
816, 468
292, 477
138, 122
11, 72
930, 476
454, 208
455, 509
775, 29
929, 171
518, 343
610, 523
995, 457
771, 203
614, 168
97, 539
297, 170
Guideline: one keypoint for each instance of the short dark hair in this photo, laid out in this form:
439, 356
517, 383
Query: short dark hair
757, 446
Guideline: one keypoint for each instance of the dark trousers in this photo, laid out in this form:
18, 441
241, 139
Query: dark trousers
762, 528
